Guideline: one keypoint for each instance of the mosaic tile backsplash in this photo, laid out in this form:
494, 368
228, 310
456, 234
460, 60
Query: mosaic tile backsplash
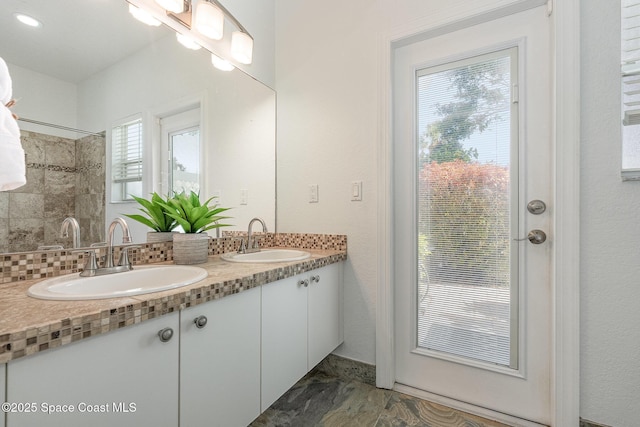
16, 267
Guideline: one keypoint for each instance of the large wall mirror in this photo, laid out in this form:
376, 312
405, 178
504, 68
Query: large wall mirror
90, 67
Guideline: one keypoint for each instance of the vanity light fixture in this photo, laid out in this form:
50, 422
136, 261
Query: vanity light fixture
209, 20
187, 41
28, 20
143, 16
198, 21
221, 64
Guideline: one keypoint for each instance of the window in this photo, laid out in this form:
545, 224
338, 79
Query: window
126, 160
630, 72
180, 138
467, 262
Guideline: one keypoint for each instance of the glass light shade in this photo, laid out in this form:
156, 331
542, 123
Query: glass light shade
221, 64
241, 47
209, 20
175, 6
187, 42
143, 16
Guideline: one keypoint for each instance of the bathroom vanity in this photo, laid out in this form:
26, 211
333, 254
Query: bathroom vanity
215, 353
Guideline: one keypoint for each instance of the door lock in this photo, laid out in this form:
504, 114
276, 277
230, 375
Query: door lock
536, 207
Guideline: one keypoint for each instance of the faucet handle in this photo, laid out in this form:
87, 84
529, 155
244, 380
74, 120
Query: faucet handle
91, 265
256, 244
124, 255
243, 246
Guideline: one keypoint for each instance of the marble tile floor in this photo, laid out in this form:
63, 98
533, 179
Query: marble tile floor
322, 400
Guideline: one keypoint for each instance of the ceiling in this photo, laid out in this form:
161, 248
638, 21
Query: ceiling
78, 38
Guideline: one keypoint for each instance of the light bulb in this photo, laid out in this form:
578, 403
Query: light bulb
187, 42
241, 47
209, 20
221, 64
175, 6
143, 16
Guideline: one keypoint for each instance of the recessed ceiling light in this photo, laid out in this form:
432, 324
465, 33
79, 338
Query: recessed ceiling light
28, 20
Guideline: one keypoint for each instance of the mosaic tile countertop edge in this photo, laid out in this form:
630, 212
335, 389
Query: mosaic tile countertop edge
29, 325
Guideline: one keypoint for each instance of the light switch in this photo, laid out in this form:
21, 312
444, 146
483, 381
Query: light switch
244, 197
313, 193
356, 191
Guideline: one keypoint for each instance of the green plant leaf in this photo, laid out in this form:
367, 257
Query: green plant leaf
156, 213
192, 215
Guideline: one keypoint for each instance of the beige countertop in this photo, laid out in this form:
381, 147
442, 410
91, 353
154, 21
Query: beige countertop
29, 325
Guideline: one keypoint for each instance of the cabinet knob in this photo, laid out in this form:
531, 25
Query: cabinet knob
200, 321
304, 282
165, 334
315, 278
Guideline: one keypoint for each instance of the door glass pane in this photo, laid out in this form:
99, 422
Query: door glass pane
465, 290
184, 147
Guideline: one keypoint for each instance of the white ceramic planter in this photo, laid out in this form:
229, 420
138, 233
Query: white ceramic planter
160, 236
190, 248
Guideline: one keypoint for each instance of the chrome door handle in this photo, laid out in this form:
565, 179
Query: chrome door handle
535, 236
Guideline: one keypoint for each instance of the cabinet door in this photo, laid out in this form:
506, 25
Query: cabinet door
220, 362
284, 337
125, 377
325, 312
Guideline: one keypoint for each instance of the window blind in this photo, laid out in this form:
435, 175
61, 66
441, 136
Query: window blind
126, 149
465, 287
630, 81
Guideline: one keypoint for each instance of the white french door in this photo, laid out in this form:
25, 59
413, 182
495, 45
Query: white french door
472, 149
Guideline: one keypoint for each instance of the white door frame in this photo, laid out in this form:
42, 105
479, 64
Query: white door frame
565, 381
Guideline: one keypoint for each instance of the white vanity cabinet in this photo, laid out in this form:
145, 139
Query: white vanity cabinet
301, 324
124, 377
220, 361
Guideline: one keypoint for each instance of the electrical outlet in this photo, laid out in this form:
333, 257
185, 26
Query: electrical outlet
244, 197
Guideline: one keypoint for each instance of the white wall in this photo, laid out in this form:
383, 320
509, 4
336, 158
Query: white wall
610, 248
45, 99
327, 79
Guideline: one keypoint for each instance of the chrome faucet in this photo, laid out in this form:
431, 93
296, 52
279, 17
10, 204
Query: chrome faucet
126, 238
91, 266
252, 247
75, 228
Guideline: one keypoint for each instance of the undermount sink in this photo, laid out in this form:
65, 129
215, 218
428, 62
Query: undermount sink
267, 255
140, 280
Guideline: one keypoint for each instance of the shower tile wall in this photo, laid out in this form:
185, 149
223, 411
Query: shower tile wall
90, 188
65, 177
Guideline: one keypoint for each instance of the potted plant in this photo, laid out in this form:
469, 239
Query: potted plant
195, 218
156, 218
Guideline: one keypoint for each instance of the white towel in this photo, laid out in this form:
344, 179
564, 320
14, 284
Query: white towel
12, 163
